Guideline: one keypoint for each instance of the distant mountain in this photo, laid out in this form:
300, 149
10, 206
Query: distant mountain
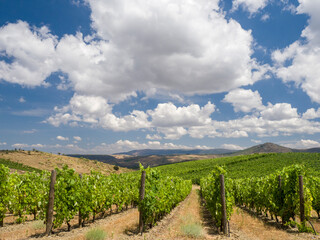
154, 157
164, 152
265, 148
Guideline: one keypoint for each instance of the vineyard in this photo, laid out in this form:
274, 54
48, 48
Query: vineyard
87, 195
281, 191
254, 165
287, 194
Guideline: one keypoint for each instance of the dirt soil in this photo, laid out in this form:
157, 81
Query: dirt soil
49, 161
124, 225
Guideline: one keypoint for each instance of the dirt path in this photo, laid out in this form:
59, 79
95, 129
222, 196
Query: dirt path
189, 220
259, 229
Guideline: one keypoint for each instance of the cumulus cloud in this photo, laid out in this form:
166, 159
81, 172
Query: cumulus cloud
22, 100
153, 137
96, 111
3, 143
137, 45
231, 147
304, 144
252, 6
311, 113
300, 61
61, 138
279, 111
174, 122
33, 53
168, 115
244, 100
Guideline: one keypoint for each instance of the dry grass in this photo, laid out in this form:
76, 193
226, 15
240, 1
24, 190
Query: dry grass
48, 161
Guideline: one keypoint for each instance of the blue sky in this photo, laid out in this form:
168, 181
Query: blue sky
96, 76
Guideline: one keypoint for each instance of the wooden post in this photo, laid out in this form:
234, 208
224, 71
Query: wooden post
80, 217
223, 205
51, 202
280, 183
302, 216
141, 197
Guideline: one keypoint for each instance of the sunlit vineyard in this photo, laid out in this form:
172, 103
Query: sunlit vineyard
255, 165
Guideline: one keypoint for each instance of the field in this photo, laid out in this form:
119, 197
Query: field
190, 219
255, 165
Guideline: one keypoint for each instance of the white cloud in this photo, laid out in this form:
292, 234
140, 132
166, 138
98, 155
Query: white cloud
173, 132
139, 45
252, 6
37, 112
3, 143
231, 147
23, 145
168, 115
62, 138
96, 111
303, 144
311, 113
279, 111
127, 145
33, 51
153, 137
22, 100
244, 100
300, 61
265, 17
77, 138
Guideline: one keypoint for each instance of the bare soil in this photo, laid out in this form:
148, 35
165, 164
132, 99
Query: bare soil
124, 225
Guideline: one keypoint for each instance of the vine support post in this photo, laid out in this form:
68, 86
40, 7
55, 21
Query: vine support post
223, 205
141, 197
51, 203
302, 216
80, 216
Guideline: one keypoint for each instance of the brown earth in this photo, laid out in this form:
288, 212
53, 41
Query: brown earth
49, 161
190, 212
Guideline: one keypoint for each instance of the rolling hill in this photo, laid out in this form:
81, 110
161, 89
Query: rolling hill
35, 160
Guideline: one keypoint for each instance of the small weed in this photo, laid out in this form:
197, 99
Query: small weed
38, 225
192, 230
96, 234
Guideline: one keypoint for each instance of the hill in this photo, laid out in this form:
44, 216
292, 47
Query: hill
149, 152
265, 148
254, 165
33, 160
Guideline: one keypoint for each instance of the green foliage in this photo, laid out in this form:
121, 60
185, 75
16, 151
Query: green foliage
96, 234
254, 165
161, 195
4, 190
210, 191
18, 166
264, 194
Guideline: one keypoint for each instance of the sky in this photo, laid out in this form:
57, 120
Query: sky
108, 76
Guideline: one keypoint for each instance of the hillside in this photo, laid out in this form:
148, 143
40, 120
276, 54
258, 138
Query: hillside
254, 165
132, 162
149, 152
48, 161
264, 148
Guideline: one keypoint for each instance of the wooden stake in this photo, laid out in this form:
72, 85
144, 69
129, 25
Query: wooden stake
223, 205
142, 191
302, 216
80, 217
51, 202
